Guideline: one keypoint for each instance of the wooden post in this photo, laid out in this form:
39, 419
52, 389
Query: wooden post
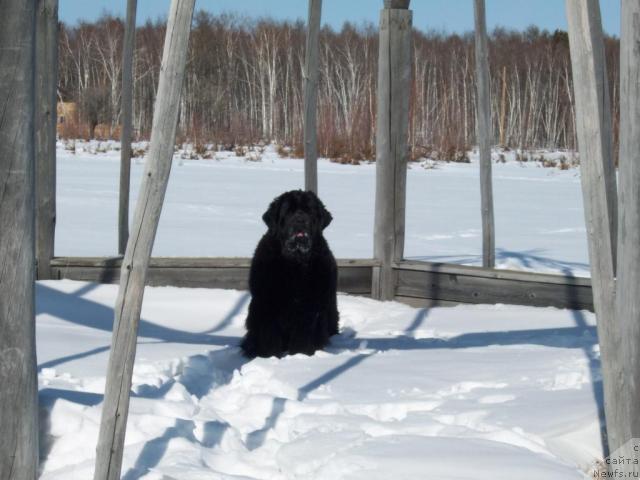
311, 73
127, 125
392, 124
628, 283
485, 135
19, 387
45, 128
136, 260
593, 124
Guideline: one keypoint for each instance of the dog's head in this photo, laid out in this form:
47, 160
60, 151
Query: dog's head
297, 219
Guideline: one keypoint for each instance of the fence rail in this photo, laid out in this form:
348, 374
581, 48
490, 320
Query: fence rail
416, 282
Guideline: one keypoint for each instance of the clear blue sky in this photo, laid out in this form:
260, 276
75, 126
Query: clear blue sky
446, 15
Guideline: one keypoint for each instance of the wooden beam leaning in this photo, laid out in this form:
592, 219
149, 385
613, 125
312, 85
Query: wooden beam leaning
18, 377
392, 124
136, 260
45, 132
628, 282
484, 134
311, 74
127, 125
593, 124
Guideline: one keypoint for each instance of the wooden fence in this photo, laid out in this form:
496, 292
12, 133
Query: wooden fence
415, 283
387, 276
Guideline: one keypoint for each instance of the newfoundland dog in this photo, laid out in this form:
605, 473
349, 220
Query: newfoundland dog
292, 280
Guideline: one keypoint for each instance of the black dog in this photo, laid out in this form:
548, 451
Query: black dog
292, 280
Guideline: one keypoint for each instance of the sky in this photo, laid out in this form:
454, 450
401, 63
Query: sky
442, 15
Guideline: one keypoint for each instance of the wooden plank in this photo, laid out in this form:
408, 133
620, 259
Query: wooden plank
484, 134
628, 280
19, 388
232, 278
355, 280
524, 276
127, 125
453, 287
392, 123
593, 124
403, 4
311, 74
350, 280
443, 283
168, 262
416, 302
190, 262
354, 276
45, 131
136, 260
88, 274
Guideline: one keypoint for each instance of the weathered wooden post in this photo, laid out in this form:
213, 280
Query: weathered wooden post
45, 131
311, 73
19, 387
485, 135
593, 124
628, 282
392, 124
136, 260
126, 133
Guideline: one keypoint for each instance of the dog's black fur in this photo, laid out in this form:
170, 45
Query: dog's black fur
292, 281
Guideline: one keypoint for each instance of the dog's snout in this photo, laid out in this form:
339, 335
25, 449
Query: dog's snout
300, 221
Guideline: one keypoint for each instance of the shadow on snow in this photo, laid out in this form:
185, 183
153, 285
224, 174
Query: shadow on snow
204, 372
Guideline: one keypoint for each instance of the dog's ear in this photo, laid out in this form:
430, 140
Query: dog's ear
322, 214
270, 217
325, 217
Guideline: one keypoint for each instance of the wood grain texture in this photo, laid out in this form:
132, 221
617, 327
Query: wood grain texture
354, 276
136, 260
45, 131
485, 135
403, 4
597, 172
127, 125
461, 288
311, 74
392, 122
417, 302
19, 389
435, 283
491, 273
188, 262
628, 279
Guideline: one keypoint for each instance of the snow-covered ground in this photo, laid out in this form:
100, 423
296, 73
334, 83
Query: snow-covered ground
467, 392
451, 393
214, 208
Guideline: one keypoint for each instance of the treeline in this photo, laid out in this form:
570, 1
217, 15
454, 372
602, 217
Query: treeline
244, 85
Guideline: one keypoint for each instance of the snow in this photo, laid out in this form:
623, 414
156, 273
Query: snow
400, 393
462, 392
214, 208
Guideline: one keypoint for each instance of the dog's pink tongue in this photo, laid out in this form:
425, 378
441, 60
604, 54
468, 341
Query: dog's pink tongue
300, 234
